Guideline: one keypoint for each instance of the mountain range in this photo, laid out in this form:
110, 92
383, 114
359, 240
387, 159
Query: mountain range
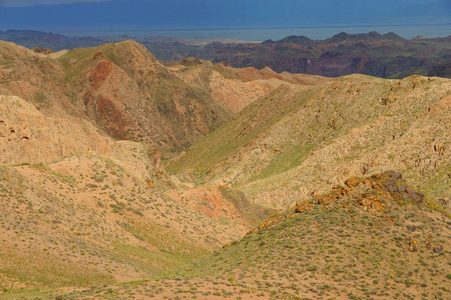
386, 56
122, 176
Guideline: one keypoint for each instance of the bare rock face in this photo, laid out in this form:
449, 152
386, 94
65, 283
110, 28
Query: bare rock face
24, 132
120, 88
28, 136
81, 142
398, 188
382, 55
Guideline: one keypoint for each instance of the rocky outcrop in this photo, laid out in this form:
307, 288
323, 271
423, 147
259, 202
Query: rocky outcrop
372, 194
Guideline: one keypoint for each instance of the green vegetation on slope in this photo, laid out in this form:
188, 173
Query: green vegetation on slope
228, 139
373, 238
55, 235
305, 140
75, 62
387, 246
285, 160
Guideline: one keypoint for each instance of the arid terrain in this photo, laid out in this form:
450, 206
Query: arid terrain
122, 177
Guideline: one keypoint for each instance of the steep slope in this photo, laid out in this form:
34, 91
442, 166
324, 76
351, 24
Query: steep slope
35, 78
126, 92
295, 143
90, 209
132, 96
81, 207
235, 88
371, 238
28, 136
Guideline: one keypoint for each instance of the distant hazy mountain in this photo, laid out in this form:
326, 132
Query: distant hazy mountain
382, 55
138, 14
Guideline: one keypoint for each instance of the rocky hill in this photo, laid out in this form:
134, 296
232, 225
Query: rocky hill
126, 92
89, 200
80, 207
317, 137
372, 237
119, 87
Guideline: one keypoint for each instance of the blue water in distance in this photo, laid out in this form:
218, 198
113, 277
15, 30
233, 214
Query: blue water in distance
261, 34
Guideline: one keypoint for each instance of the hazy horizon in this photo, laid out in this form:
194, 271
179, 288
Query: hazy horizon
247, 20
257, 34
